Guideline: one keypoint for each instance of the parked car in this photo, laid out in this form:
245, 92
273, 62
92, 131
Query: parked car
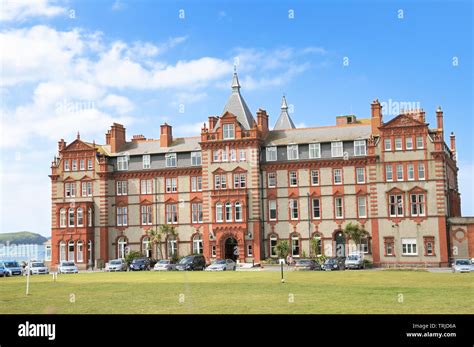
164, 265
67, 267
2, 270
462, 265
140, 264
335, 263
192, 263
354, 261
116, 265
222, 265
12, 268
306, 264
37, 268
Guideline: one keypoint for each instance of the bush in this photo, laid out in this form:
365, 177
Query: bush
368, 264
132, 255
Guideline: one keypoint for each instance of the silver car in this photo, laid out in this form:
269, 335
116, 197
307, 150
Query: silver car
2, 270
37, 268
67, 267
222, 265
462, 265
116, 265
164, 265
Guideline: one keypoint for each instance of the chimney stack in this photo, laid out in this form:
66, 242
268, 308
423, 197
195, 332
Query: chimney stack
166, 135
439, 120
453, 144
61, 145
212, 122
376, 119
138, 138
115, 137
262, 121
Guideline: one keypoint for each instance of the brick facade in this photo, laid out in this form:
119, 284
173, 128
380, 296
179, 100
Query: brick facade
238, 187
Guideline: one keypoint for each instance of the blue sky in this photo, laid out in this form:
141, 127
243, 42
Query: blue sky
71, 66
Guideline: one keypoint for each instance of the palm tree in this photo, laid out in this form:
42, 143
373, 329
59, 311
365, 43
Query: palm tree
157, 236
155, 239
282, 248
355, 232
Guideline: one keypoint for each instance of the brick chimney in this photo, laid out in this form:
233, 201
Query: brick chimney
166, 135
115, 137
453, 144
376, 117
262, 121
138, 138
61, 145
439, 120
212, 122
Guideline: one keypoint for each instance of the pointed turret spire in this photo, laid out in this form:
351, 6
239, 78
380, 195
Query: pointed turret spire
235, 82
237, 106
284, 121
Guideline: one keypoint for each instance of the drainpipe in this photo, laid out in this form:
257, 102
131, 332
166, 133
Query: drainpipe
262, 218
309, 224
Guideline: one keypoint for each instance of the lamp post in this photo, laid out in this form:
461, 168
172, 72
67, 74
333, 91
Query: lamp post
282, 262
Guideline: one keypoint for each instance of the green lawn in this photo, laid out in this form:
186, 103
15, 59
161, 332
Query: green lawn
242, 292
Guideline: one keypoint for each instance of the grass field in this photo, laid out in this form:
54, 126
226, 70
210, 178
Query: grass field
242, 292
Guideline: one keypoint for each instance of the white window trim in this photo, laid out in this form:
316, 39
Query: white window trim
357, 144
316, 147
271, 153
290, 149
334, 147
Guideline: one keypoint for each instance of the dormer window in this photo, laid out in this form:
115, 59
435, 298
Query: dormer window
292, 151
195, 158
336, 149
146, 161
171, 160
122, 163
228, 131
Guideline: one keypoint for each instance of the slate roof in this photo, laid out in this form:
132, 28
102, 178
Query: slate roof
319, 134
284, 121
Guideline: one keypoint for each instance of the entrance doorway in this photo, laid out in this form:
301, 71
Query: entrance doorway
340, 250
231, 249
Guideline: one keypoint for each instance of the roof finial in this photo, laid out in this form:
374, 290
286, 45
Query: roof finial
78, 136
235, 81
284, 105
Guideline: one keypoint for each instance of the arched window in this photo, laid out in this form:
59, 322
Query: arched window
218, 212
62, 218
80, 217
228, 212
80, 251
71, 217
238, 212
89, 217
70, 251
121, 247
197, 244
62, 251
172, 246
146, 247
273, 244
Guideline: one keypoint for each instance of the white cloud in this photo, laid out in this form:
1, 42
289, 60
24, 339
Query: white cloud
121, 104
19, 10
118, 5
37, 53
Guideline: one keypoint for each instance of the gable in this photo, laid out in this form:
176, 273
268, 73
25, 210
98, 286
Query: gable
78, 145
402, 120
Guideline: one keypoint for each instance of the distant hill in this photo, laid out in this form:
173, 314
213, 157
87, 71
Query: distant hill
22, 237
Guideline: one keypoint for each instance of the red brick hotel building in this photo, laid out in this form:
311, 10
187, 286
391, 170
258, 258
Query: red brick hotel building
240, 184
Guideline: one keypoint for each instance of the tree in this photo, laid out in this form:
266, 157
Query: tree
355, 232
282, 248
157, 236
